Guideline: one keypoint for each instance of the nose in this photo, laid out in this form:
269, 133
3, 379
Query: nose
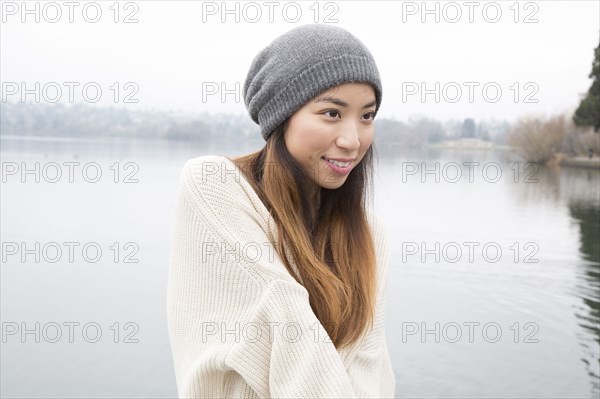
349, 137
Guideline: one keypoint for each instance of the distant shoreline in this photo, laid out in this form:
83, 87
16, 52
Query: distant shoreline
471, 145
581, 162
99, 139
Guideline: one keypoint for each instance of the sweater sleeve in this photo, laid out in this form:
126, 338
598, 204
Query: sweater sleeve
371, 369
237, 318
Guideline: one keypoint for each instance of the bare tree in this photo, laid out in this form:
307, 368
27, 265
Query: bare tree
537, 139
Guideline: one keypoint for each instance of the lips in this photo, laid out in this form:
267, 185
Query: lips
340, 169
341, 162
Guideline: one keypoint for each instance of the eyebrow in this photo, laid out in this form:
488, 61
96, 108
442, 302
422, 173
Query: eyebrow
344, 104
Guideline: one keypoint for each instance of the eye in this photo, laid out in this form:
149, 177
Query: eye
332, 111
372, 114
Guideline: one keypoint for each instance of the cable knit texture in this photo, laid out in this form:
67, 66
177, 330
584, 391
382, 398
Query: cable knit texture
240, 325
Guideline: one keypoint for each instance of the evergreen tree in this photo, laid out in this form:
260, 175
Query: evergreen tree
468, 128
588, 112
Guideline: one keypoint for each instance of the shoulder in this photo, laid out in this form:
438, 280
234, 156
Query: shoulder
214, 182
211, 173
206, 166
206, 159
219, 188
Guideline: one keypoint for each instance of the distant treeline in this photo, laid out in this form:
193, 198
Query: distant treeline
87, 121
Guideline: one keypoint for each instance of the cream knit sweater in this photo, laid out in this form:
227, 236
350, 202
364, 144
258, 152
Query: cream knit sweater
239, 324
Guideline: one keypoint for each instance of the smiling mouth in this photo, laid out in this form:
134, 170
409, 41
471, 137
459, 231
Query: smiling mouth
338, 163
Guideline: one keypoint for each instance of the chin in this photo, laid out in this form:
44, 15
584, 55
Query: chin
332, 185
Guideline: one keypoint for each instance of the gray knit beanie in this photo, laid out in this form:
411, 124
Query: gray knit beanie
299, 65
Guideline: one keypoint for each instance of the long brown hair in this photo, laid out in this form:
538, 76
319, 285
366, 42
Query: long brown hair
330, 242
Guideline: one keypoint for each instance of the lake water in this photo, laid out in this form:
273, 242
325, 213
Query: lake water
493, 291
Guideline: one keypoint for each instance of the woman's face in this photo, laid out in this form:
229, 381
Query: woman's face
337, 124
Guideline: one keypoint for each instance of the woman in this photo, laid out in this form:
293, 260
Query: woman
278, 269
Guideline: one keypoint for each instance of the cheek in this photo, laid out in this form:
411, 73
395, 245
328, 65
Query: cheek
309, 140
367, 140
365, 143
293, 139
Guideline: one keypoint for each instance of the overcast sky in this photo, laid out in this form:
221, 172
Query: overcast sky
179, 50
